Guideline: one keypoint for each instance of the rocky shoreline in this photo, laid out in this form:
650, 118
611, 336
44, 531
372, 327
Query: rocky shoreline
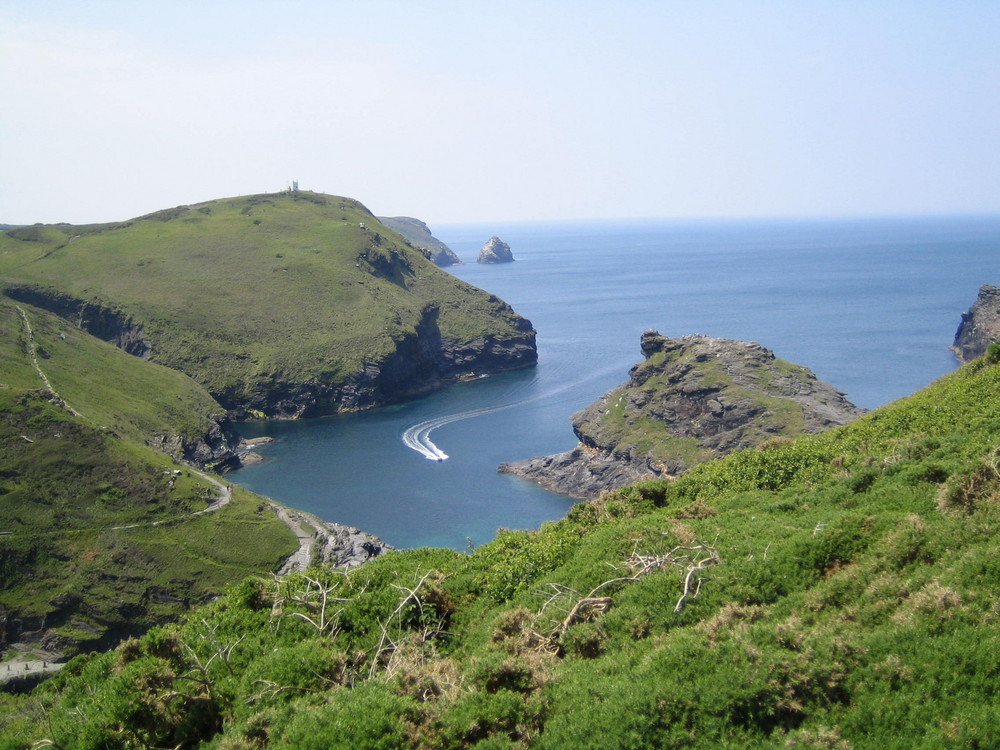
693, 399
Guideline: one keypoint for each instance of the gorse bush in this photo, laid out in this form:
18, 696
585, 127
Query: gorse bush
835, 591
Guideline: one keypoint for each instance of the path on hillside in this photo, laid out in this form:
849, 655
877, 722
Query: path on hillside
24, 665
301, 558
38, 368
224, 498
27, 664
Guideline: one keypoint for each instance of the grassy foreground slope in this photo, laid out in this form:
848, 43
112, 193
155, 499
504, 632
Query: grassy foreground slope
290, 303
82, 563
831, 591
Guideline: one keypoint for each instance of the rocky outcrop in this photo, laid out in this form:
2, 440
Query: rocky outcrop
218, 449
324, 542
495, 251
423, 361
691, 400
980, 326
418, 234
91, 316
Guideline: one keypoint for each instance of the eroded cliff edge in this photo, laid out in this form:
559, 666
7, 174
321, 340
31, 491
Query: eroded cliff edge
692, 399
980, 326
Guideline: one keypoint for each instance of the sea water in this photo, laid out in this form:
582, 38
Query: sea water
870, 305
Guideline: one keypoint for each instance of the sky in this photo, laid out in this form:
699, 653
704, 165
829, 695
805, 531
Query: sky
475, 111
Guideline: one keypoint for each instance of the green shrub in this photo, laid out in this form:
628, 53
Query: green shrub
368, 716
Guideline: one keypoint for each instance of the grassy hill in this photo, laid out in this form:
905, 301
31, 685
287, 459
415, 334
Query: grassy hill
830, 591
287, 304
102, 541
131, 398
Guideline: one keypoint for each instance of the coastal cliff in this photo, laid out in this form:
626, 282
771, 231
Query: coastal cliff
282, 305
691, 400
418, 233
980, 326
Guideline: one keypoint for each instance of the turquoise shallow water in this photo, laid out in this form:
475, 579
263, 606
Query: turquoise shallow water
870, 305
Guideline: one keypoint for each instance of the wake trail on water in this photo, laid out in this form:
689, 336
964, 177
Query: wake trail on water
417, 437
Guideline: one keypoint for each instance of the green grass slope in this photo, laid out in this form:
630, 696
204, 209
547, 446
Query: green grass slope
71, 576
831, 591
259, 298
130, 397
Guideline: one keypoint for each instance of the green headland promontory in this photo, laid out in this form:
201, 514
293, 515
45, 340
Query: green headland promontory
281, 305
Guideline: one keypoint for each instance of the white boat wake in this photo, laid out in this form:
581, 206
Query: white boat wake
418, 437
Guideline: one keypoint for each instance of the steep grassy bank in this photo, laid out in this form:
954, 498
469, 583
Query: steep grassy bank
834, 591
102, 540
139, 400
288, 304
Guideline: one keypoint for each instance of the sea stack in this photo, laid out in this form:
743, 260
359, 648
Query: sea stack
980, 326
495, 251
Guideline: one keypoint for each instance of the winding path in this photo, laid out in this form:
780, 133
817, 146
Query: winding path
38, 368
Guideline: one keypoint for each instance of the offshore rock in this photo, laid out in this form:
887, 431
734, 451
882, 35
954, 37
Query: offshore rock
495, 251
980, 326
693, 399
418, 234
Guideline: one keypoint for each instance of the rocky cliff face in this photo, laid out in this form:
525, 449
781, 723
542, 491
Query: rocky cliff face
495, 251
218, 449
422, 362
419, 234
980, 326
691, 400
105, 323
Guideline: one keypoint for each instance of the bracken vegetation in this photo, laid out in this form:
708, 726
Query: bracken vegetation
833, 591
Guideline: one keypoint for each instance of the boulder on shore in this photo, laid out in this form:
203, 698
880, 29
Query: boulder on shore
495, 251
980, 326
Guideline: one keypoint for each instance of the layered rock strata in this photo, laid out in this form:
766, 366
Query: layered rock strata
692, 399
980, 326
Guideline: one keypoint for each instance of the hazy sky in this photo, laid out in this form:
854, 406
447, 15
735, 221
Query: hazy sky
481, 111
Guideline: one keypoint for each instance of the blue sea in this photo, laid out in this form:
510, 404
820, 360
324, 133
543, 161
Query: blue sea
870, 305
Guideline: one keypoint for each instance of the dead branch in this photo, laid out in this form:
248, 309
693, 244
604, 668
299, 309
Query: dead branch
711, 557
386, 644
693, 558
315, 597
